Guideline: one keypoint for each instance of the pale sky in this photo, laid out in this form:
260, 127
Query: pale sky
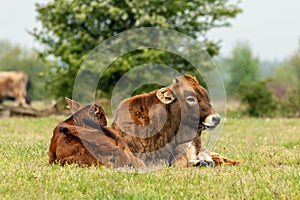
272, 27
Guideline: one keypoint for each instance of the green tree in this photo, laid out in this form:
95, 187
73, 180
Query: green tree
292, 106
71, 29
243, 67
295, 63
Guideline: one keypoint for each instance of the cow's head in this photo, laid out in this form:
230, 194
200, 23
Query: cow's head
192, 100
89, 112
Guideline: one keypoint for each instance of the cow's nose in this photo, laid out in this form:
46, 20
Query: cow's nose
216, 120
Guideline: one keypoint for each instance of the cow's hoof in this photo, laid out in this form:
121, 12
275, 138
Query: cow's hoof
204, 163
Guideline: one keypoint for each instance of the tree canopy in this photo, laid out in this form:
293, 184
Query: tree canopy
243, 67
72, 28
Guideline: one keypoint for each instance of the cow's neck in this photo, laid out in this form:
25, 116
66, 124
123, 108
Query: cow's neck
75, 120
70, 120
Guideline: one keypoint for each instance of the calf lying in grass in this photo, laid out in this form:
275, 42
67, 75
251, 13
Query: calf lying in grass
85, 139
74, 141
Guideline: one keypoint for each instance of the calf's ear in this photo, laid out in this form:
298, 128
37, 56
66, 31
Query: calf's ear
72, 105
165, 95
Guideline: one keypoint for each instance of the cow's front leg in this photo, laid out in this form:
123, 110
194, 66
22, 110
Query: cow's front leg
183, 154
193, 154
205, 158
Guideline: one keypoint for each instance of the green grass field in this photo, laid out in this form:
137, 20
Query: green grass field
268, 148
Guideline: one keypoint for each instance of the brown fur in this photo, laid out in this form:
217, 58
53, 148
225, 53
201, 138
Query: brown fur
220, 160
74, 141
14, 84
148, 131
160, 125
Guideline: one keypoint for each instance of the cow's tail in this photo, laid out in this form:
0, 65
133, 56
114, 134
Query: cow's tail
219, 159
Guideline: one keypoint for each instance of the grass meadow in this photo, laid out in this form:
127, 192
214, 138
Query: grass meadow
268, 148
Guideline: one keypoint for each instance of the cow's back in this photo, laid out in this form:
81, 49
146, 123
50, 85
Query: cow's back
147, 126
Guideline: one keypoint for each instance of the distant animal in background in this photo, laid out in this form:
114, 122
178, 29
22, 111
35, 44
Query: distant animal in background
14, 85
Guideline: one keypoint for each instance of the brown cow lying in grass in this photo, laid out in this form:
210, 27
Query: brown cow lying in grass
165, 124
74, 141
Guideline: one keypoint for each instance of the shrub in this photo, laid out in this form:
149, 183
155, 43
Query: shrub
258, 99
291, 106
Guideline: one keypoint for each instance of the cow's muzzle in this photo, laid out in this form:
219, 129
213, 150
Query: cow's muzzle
212, 121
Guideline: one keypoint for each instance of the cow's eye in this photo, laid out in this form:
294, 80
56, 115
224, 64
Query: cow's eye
191, 99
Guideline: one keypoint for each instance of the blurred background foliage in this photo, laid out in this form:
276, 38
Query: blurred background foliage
14, 57
265, 88
71, 29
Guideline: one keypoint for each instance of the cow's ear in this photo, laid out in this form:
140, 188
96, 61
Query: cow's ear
72, 105
175, 81
165, 95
